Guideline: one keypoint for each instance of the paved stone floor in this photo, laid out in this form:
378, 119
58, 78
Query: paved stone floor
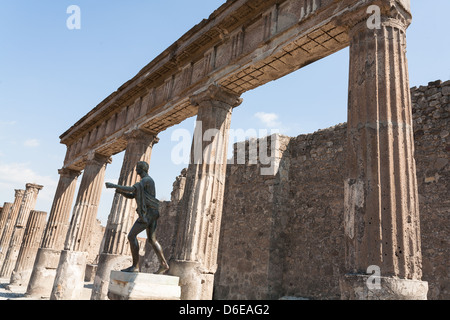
18, 292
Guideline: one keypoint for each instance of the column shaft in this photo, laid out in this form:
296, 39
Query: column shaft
116, 249
28, 203
4, 216
47, 258
71, 267
9, 225
195, 253
29, 247
382, 227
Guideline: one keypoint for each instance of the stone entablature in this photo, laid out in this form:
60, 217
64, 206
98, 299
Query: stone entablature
241, 46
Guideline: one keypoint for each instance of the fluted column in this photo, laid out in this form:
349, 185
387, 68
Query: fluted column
71, 267
28, 249
195, 253
9, 224
47, 258
116, 249
4, 216
28, 203
382, 227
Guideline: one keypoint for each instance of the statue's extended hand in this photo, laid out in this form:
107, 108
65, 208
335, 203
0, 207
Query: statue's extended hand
109, 185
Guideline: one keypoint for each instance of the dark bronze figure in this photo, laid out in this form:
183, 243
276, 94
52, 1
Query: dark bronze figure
148, 211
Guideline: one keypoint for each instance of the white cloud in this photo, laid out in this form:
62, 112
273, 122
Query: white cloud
17, 175
268, 119
33, 143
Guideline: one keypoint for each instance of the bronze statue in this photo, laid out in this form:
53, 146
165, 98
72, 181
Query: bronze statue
148, 211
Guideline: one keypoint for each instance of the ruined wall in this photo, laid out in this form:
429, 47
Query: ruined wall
286, 238
431, 116
282, 231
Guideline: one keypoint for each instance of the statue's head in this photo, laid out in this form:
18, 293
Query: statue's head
142, 165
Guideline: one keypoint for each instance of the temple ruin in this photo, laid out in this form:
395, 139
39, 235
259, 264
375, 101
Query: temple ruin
373, 214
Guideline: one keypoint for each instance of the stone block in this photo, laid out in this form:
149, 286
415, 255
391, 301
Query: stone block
143, 286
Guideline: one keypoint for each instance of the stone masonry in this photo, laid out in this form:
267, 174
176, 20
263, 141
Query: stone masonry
291, 243
283, 234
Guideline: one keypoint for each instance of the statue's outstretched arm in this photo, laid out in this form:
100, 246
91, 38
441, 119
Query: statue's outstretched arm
120, 188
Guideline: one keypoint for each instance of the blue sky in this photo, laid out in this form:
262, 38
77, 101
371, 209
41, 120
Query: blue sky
51, 76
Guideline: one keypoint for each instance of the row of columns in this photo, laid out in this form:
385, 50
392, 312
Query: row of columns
21, 230
381, 208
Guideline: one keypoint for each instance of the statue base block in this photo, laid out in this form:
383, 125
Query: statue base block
143, 286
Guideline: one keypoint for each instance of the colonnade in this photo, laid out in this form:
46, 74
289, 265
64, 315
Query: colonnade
381, 202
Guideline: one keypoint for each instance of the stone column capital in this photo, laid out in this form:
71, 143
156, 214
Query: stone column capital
70, 173
216, 96
19, 192
98, 158
33, 186
139, 135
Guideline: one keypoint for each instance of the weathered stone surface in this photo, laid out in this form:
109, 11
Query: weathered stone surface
312, 217
9, 224
122, 215
143, 286
26, 206
28, 249
355, 287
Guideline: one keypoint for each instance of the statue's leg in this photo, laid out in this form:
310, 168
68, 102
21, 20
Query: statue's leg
151, 235
137, 228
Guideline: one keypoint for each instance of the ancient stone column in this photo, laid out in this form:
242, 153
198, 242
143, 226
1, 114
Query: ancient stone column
116, 249
9, 225
382, 227
72, 263
47, 258
195, 254
29, 247
4, 216
28, 203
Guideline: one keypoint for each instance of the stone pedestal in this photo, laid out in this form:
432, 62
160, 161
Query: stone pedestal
69, 277
44, 272
365, 287
143, 286
106, 263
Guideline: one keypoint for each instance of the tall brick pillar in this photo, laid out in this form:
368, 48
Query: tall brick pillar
116, 249
28, 203
9, 224
382, 228
195, 254
69, 277
28, 249
47, 258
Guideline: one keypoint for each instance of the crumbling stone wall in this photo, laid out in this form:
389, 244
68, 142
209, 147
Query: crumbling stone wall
282, 234
431, 116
